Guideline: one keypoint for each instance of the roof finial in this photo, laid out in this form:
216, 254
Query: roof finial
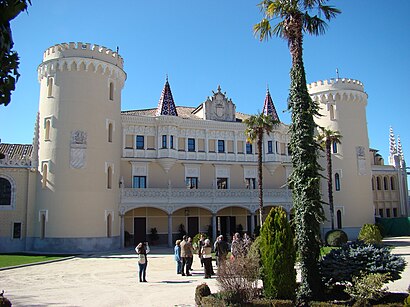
166, 77
219, 88
337, 73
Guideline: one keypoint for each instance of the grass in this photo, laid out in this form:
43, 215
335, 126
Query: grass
7, 260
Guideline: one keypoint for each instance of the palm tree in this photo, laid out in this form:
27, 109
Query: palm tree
294, 19
326, 138
256, 126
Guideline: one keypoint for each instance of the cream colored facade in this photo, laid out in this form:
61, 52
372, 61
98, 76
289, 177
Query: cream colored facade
98, 178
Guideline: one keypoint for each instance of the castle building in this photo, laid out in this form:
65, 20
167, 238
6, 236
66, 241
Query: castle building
98, 178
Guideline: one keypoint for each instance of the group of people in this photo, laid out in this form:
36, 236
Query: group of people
184, 253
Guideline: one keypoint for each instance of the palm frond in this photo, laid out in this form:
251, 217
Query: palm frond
314, 25
263, 30
329, 11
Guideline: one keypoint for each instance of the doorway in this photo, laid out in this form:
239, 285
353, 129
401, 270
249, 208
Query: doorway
140, 230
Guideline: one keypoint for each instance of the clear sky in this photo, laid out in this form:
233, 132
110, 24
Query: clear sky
203, 44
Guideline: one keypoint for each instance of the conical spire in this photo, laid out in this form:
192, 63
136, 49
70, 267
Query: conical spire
392, 141
166, 105
269, 107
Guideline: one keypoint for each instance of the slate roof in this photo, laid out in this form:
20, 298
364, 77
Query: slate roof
16, 151
166, 104
269, 107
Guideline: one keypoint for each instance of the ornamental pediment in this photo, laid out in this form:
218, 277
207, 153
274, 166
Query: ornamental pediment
218, 107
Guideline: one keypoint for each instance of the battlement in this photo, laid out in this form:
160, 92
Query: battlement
334, 85
85, 50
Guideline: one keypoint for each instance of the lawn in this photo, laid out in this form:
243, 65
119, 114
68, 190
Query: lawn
7, 260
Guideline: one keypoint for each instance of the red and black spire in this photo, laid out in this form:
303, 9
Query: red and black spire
269, 107
166, 105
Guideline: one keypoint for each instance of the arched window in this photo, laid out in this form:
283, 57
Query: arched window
111, 94
385, 183
5, 192
334, 147
109, 177
332, 112
45, 175
50, 82
109, 226
337, 182
47, 130
373, 183
378, 184
110, 131
42, 225
339, 219
392, 183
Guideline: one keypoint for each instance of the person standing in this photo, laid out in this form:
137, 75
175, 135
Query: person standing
142, 250
236, 247
221, 249
201, 243
189, 254
183, 255
206, 252
177, 253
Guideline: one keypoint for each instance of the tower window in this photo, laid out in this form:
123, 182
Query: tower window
47, 130
164, 141
110, 132
109, 177
385, 183
111, 94
332, 112
339, 219
50, 82
392, 183
45, 175
334, 147
109, 226
337, 182
378, 184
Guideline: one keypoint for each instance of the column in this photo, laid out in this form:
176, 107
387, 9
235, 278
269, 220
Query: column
170, 243
252, 222
122, 239
214, 230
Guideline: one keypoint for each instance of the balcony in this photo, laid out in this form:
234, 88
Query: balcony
131, 198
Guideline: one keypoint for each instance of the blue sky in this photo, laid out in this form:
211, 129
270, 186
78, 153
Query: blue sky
203, 44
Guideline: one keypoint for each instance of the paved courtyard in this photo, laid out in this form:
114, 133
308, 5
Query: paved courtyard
111, 280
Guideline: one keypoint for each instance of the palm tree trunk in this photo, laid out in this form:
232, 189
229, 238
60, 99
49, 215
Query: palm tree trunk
260, 177
330, 182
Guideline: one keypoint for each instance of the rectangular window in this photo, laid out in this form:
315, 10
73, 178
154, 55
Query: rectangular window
394, 212
140, 142
191, 144
221, 146
277, 147
387, 212
250, 183
171, 141
381, 212
17, 230
270, 147
139, 182
222, 183
164, 141
191, 182
249, 148
334, 147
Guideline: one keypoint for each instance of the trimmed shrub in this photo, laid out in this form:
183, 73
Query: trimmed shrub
336, 238
195, 239
370, 234
277, 256
355, 258
201, 291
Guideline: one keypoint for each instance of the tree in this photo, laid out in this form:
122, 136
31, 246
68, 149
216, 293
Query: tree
9, 59
256, 126
295, 18
326, 138
278, 256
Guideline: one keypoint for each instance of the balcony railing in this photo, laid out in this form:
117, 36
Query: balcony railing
178, 196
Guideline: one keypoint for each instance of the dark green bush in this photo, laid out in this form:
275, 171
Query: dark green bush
277, 256
370, 234
340, 265
201, 291
195, 239
336, 238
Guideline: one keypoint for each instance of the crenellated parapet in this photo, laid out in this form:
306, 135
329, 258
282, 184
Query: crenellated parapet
338, 89
83, 50
81, 57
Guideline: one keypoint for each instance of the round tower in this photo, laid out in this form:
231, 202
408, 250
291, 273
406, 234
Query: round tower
343, 108
79, 148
